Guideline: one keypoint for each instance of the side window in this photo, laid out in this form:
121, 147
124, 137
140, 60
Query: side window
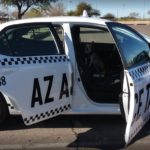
32, 40
134, 49
96, 35
4, 46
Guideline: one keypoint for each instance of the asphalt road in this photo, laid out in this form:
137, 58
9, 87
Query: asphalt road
71, 132
145, 29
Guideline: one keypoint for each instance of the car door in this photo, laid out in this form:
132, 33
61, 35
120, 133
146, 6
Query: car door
134, 51
35, 72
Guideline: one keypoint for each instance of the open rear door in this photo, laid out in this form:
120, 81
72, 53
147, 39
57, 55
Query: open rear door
134, 51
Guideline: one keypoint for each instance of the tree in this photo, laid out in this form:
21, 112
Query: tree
14, 14
71, 13
84, 6
24, 5
134, 15
56, 9
33, 12
109, 16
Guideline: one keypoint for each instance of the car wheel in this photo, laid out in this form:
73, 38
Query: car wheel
3, 111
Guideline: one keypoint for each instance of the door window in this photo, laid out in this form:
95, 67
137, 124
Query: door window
134, 49
4, 47
31, 40
96, 35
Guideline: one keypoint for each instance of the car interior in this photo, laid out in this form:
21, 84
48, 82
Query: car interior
99, 65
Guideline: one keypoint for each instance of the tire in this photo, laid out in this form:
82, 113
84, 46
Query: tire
3, 110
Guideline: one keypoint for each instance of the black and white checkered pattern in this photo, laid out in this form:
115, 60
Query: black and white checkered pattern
139, 71
11, 61
47, 114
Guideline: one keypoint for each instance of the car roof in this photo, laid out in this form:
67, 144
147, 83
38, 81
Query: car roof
56, 19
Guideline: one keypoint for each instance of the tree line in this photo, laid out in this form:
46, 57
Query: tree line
38, 8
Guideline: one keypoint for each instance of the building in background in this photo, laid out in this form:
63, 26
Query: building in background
3, 17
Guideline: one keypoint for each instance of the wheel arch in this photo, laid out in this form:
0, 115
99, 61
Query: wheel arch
11, 106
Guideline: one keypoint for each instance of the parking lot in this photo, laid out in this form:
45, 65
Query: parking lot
71, 132
145, 29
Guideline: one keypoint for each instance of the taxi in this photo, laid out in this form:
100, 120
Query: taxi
74, 65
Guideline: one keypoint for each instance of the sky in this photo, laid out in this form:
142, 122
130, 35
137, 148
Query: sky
119, 8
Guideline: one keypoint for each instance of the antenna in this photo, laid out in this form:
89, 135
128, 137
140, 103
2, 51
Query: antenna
85, 14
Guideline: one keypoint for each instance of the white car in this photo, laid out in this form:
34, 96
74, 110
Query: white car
74, 65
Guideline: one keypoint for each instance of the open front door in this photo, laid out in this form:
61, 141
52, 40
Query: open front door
37, 76
134, 51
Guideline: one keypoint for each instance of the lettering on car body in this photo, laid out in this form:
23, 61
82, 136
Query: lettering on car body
139, 102
2, 81
37, 96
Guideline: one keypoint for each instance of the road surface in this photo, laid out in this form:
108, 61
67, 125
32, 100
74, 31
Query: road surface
71, 132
